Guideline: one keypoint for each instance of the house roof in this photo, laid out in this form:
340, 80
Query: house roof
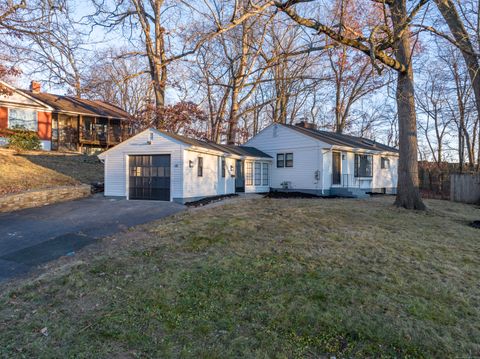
61, 103
340, 139
231, 149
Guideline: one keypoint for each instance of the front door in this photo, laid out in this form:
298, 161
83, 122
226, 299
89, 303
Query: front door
239, 176
337, 168
149, 177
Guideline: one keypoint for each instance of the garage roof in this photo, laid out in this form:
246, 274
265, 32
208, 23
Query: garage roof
209, 145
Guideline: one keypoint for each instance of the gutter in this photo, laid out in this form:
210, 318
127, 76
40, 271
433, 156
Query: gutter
225, 154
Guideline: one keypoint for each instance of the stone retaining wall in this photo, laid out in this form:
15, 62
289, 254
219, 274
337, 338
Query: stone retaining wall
37, 198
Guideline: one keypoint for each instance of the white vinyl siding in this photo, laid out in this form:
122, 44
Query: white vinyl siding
306, 153
211, 183
116, 162
387, 177
312, 162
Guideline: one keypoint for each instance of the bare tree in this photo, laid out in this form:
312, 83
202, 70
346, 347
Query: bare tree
393, 33
462, 106
18, 19
462, 39
432, 101
118, 80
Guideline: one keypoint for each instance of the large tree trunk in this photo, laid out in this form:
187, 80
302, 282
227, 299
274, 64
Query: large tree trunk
408, 195
160, 73
159, 90
233, 121
238, 82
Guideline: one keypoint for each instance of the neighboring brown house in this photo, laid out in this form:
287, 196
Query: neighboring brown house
64, 122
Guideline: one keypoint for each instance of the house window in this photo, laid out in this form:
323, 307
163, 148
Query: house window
265, 174
258, 173
284, 160
280, 160
249, 173
200, 167
288, 159
363, 165
22, 118
385, 163
223, 166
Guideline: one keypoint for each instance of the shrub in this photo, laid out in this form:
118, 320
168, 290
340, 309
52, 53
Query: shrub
23, 139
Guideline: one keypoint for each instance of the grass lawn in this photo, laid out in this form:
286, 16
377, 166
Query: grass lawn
39, 169
262, 278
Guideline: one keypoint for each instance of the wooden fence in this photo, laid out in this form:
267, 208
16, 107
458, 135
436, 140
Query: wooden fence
435, 179
465, 188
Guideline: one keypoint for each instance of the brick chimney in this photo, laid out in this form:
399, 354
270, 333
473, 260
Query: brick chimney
35, 87
306, 124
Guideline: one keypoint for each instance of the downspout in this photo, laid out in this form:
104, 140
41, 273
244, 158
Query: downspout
317, 179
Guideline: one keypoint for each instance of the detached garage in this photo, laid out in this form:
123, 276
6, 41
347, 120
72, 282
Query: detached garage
156, 165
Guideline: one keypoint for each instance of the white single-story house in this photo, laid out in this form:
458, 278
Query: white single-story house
327, 163
164, 166
157, 165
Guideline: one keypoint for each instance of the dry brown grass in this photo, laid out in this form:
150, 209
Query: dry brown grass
263, 278
37, 170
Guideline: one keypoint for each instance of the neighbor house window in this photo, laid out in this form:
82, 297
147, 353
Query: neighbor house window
264, 174
223, 166
200, 167
385, 163
258, 173
363, 165
22, 118
288, 159
280, 160
249, 173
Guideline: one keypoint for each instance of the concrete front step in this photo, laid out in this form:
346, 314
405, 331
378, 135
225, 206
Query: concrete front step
349, 192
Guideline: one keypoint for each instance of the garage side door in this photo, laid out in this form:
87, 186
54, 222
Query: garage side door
149, 177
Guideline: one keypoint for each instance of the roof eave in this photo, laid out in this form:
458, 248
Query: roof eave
18, 91
363, 150
88, 114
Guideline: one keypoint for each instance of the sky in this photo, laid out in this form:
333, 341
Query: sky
100, 38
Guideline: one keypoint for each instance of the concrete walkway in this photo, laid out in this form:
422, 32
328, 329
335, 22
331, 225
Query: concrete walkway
34, 236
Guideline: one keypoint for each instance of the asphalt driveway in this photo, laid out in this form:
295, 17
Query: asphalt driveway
34, 236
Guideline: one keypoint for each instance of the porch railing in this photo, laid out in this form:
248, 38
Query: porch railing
350, 181
113, 135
